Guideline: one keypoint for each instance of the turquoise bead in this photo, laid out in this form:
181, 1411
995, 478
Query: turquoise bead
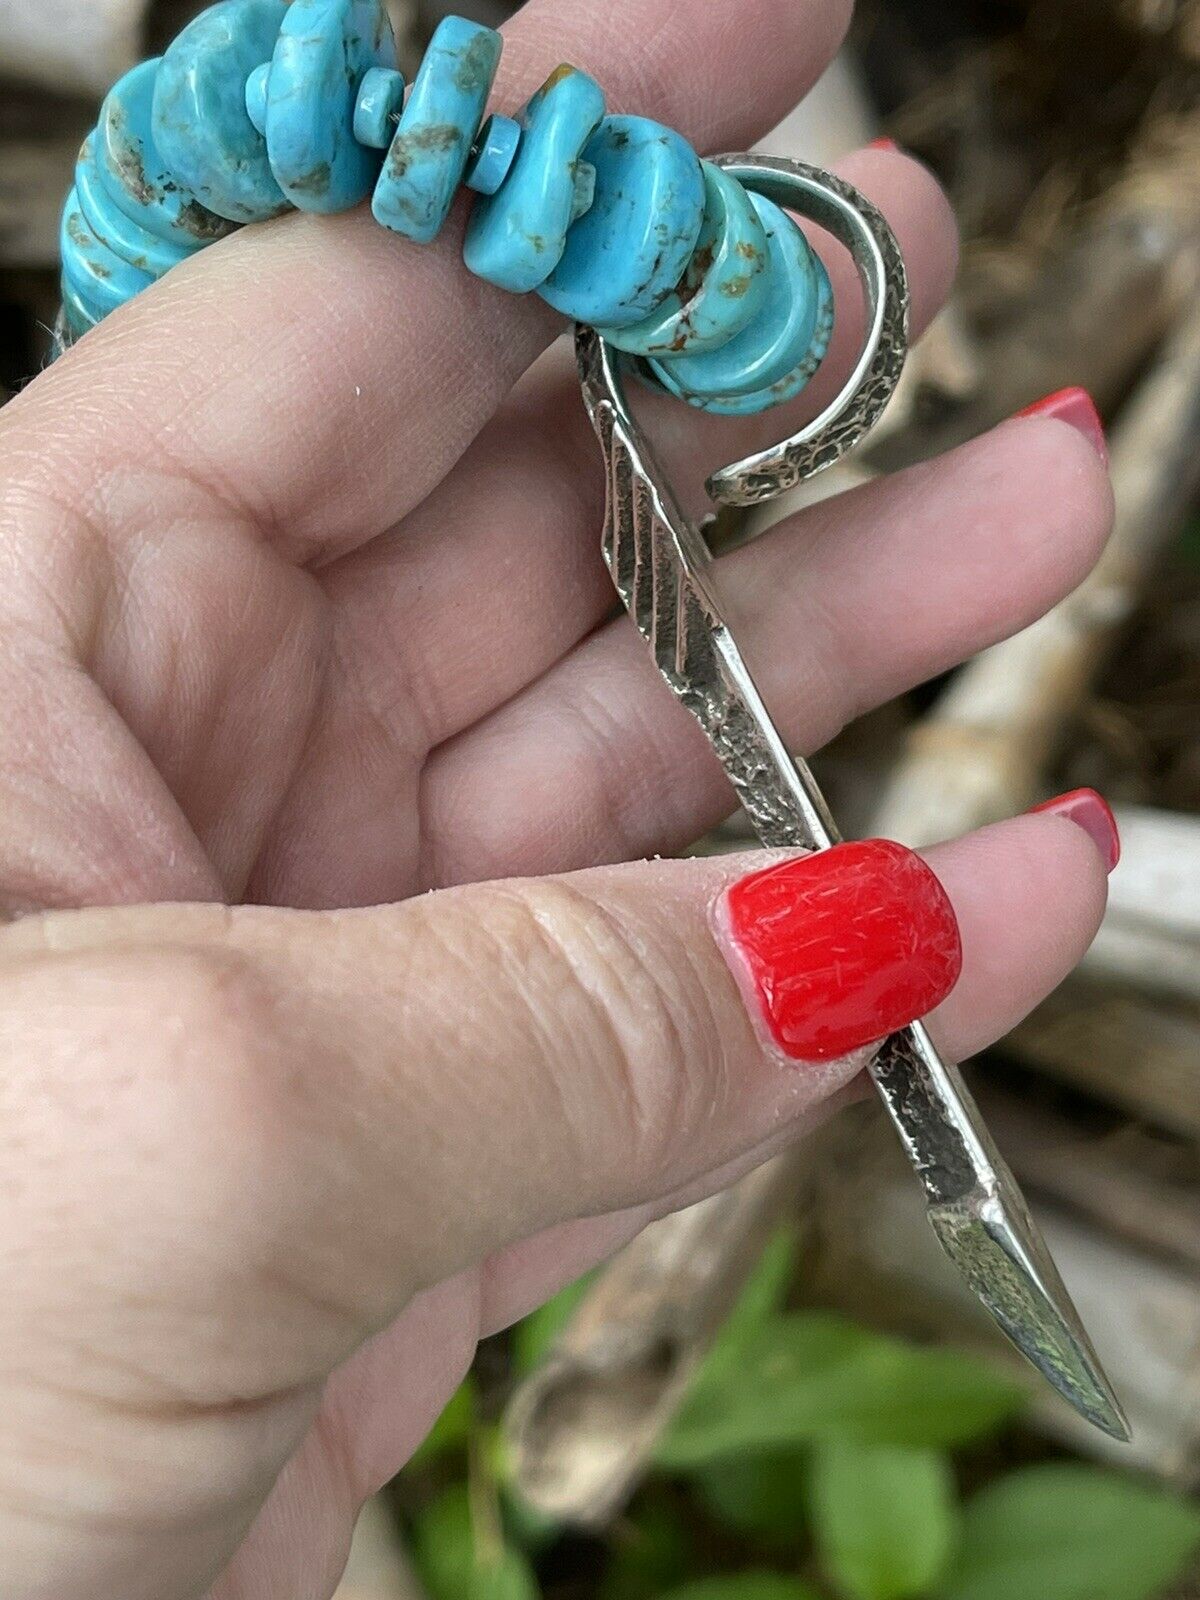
134, 174
324, 50
723, 286
429, 153
494, 153
200, 120
516, 237
78, 315
126, 238
631, 248
101, 279
774, 356
377, 110
256, 96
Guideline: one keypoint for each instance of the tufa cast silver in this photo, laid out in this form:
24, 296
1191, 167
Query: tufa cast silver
661, 567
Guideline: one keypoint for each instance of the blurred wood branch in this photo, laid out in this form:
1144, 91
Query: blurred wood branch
979, 754
1128, 267
582, 1428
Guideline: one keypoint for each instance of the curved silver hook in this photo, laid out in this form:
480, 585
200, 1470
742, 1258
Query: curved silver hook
853, 221
662, 571
839, 208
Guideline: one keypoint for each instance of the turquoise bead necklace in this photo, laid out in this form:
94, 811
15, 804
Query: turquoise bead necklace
261, 106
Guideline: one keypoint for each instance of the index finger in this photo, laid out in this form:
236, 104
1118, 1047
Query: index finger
320, 374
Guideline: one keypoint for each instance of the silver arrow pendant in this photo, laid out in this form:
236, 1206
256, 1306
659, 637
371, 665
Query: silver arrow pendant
660, 566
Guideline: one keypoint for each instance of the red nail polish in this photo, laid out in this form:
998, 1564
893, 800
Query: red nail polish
883, 144
1090, 811
1077, 407
838, 949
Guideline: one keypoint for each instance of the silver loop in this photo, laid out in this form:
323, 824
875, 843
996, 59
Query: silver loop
850, 217
853, 221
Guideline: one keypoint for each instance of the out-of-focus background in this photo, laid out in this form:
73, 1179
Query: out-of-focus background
783, 1394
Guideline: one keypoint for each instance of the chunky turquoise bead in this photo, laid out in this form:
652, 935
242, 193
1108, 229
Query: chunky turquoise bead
134, 174
101, 279
516, 237
723, 286
429, 153
200, 120
324, 50
629, 251
494, 153
377, 110
774, 355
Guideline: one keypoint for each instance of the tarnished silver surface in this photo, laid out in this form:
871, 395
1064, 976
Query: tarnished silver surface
661, 568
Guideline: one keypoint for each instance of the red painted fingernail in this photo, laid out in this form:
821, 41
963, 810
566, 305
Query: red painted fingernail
1091, 812
1077, 407
883, 144
838, 949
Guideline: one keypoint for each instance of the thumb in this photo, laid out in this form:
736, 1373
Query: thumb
275, 1108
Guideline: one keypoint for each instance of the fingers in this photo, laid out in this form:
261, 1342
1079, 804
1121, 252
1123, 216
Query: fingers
321, 375
349, 1107
846, 604
236, 1144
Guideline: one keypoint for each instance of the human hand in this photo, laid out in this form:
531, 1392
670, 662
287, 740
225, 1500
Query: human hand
304, 608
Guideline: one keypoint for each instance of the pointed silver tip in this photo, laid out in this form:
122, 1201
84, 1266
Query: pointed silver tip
996, 1247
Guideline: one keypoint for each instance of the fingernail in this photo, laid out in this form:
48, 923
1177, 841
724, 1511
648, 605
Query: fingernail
1077, 407
838, 949
883, 144
1091, 812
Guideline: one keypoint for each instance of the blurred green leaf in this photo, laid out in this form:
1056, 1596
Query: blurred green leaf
764, 1495
812, 1375
763, 1294
884, 1519
509, 1578
452, 1428
533, 1335
443, 1545
449, 1564
745, 1586
652, 1549
1071, 1532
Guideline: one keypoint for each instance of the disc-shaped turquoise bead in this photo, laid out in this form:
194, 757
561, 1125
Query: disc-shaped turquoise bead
776, 353
723, 286
78, 315
147, 251
324, 50
101, 279
429, 153
630, 249
790, 385
377, 109
495, 151
201, 125
136, 177
516, 237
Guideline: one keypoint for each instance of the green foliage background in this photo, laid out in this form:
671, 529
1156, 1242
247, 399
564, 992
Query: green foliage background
813, 1459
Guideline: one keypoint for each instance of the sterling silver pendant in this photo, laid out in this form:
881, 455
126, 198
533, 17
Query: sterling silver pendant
662, 570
